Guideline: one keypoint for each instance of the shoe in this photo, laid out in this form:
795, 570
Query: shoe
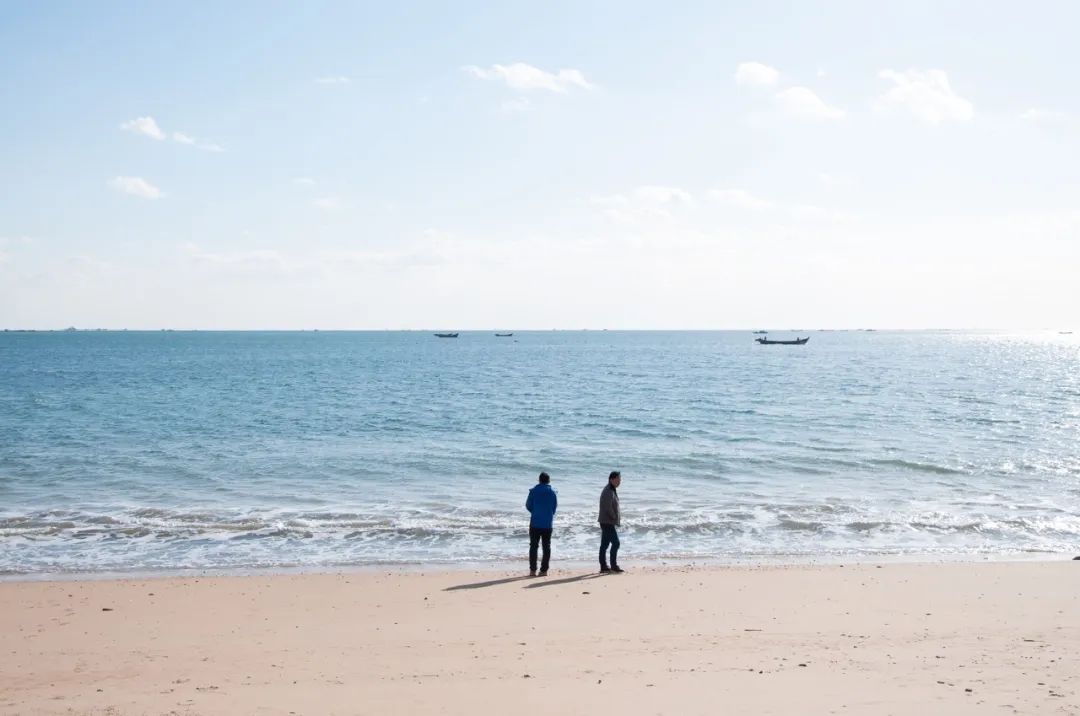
543, 572
532, 572
617, 570
604, 570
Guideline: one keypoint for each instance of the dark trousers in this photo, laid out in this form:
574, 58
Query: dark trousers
536, 536
609, 536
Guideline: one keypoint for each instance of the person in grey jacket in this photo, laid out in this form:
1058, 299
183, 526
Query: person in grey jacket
609, 519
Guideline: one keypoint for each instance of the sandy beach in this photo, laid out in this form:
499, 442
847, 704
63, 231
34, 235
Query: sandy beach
866, 639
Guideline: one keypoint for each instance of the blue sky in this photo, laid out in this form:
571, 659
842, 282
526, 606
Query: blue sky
620, 165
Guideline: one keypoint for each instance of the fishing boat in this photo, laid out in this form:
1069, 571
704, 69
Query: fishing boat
760, 332
446, 335
503, 335
796, 342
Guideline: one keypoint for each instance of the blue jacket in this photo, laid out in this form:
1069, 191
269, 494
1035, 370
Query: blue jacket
542, 503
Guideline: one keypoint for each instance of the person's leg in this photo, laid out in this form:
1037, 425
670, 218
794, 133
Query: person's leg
605, 540
545, 536
534, 542
614, 547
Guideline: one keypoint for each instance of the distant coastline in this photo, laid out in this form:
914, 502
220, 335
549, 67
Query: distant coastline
73, 329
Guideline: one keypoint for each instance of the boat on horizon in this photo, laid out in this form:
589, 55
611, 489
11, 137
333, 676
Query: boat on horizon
503, 335
796, 342
446, 335
760, 332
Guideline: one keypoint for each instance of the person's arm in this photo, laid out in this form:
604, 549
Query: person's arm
554, 501
528, 502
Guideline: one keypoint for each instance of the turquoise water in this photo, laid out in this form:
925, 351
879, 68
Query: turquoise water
163, 450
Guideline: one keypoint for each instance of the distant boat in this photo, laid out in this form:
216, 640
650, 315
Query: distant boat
503, 335
446, 335
796, 342
760, 332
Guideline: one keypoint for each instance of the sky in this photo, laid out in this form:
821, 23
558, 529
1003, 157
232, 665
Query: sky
621, 165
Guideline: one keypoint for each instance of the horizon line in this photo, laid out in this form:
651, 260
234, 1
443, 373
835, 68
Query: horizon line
74, 329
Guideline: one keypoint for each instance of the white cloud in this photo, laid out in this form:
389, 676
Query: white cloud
333, 80
809, 212
148, 127
429, 249
89, 265
927, 95
645, 203
418, 256
1036, 114
136, 186
327, 203
741, 199
304, 181
802, 102
260, 261
664, 195
521, 76
182, 138
145, 126
755, 74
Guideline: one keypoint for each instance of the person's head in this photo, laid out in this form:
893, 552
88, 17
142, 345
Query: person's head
545, 478
615, 478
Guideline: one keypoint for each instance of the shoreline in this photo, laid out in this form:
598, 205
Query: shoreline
431, 568
865, 638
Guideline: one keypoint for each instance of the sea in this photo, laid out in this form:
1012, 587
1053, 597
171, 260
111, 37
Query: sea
172, 451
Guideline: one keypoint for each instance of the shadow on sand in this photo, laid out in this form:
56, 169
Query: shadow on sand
489, 583
565, 580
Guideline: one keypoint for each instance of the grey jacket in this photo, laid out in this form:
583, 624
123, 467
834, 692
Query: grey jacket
609, 507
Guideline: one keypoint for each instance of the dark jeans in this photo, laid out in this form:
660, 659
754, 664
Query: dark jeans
609, 536
536, 535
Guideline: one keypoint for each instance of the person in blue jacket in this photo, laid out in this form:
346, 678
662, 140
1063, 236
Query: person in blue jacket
541, 504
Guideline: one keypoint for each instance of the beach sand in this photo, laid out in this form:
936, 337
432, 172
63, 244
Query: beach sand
855, 639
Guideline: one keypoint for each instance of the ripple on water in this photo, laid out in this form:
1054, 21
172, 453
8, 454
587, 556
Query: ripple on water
232, 450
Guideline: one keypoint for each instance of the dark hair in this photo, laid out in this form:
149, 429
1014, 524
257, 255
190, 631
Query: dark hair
545, 478
613, 475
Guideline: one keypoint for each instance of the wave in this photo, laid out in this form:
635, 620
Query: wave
406, 524
759, 535
917, 466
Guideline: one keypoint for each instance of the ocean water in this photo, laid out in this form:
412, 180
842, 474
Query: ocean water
172, 451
